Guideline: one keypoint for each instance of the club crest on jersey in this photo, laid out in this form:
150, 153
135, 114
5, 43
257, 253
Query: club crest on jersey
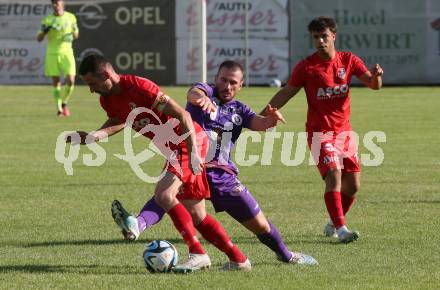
341, 73
132, 105
237, 119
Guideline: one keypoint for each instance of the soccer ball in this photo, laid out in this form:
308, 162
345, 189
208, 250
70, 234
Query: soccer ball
160, 256
276, 83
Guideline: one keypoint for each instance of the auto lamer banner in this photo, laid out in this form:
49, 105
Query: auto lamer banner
402, 36
253, 32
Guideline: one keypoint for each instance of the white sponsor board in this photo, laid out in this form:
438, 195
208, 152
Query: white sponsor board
227, 18
268, 59
22, 61
396, 34
22, 19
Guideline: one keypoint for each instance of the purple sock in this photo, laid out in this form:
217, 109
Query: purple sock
275, 242
149, 215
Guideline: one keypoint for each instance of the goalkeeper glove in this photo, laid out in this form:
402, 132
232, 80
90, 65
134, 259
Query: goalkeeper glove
46, 29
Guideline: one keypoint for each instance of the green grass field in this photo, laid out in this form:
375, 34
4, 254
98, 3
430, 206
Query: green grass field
57, 231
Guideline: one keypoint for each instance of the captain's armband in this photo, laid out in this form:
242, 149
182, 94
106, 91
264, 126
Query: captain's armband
161, 101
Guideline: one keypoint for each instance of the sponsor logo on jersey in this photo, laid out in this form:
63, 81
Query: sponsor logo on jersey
341, 73
329, 147
330, 159
332, 92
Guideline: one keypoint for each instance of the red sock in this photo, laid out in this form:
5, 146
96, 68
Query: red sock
214, 233
347, 202
334, 208
183, 222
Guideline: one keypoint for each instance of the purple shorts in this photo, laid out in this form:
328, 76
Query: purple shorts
228, 194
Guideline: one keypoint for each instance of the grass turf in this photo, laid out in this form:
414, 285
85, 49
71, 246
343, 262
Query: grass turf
57, 231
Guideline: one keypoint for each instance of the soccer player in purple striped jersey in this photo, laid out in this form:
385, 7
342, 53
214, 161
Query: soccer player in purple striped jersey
223, 118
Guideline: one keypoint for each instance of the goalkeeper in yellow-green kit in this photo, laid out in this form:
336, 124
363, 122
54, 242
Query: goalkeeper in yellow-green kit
61, 29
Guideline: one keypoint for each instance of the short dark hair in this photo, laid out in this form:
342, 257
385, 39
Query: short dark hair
320, 23
232, 65
53, 1
93, 64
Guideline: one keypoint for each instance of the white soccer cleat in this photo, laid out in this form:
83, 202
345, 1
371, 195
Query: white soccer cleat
302, 259
348, 236
194, 263
330, 230
234, 266
125, 221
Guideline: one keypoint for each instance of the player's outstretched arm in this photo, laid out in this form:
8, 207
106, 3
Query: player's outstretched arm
373, 78
109, 128
262, 123
282, 97
171, 108
197, 97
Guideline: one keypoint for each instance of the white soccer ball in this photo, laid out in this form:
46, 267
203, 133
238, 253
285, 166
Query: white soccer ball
276, 83
160, 256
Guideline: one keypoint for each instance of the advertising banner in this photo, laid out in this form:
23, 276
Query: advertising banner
22, 19
22, 61
137, 36
228, 19
393, 33
267, 59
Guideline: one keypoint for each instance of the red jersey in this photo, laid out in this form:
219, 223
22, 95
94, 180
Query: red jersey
137, 92
327, 87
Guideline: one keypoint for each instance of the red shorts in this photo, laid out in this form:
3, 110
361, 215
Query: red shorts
334, 151
194, 186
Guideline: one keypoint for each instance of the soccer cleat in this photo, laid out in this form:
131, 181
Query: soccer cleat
194, 263
302, 259
66, 111
60, 114
125, 221
234, 266
330, 230
348, 236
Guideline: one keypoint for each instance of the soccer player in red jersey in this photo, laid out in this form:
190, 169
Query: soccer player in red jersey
183, 188
325, 76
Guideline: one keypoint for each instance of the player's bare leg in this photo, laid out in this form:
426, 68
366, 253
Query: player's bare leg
165, 195
68, 90
56, 85
333, 201
213, 232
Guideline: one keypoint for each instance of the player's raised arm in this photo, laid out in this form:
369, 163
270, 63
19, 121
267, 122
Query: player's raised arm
281, 97
262, 123
171, 108
198, 97
373, 78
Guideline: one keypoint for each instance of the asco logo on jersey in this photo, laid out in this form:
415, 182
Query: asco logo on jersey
436, 26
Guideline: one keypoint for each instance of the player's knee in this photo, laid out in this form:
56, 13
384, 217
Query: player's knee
333, 180
356, 187
163, 200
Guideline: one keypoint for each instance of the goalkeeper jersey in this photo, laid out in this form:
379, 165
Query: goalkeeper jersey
60, 35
